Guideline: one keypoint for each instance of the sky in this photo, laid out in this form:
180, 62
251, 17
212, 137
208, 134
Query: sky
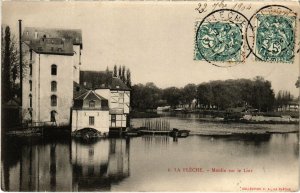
154, 40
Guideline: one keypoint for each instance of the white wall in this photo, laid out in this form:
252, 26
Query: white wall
64, 93
76, 62
118, 100
81, 154
41, 92
80, 120
104, 93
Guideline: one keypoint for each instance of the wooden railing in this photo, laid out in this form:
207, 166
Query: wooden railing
40, 124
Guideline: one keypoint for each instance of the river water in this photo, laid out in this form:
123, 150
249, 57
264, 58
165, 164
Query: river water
154, 163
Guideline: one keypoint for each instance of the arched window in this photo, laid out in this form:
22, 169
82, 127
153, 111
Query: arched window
52, 116
92, 104
30, 85
53, 86
30, 100
53, 69
53, 100
30, 69
30, 114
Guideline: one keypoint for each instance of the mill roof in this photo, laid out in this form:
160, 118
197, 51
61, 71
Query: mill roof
52, 41
90, 95
101, 79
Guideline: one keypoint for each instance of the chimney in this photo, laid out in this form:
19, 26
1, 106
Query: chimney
21, 58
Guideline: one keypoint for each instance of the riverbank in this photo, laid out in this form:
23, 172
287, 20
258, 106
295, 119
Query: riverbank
210, 128
225, 117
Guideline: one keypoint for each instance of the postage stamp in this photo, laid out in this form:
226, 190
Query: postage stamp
220, 38
275, 38
219, 42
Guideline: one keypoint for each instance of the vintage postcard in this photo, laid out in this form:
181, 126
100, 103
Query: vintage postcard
149, 96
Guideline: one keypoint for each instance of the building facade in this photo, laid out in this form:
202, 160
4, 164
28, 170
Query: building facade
90, 110
54, 57
115, 90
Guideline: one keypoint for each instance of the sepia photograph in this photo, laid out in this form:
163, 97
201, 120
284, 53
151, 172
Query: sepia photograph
150, 96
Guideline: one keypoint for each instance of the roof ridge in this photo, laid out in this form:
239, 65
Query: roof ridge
81, 95
98, 96
51, 28
87, 94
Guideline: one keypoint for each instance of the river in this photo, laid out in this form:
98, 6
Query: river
155, 163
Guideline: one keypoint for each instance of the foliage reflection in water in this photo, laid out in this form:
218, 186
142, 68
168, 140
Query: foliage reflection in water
34, 164
142, 163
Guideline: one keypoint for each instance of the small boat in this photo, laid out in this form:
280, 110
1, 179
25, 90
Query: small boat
133, 133
179, 133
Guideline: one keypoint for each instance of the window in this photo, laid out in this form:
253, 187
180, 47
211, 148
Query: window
30, 114
91, 120
30, 85
53, 69
92, 104
30, 69
113, 120
52, 116
53, 86
30, 101
30, 54
53, 101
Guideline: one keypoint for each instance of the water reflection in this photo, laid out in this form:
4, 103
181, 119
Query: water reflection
34, 164
142, 163
97, 166
247, 139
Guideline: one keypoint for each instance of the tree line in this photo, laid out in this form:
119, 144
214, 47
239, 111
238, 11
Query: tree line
10, 65
219, 94
123, 73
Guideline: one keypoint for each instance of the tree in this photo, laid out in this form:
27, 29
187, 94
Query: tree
283, 98
298, 82
10, 65
120, 72
128, 78
123, 77
189, 93
257, 93
172, 96
145, 96
6, 66
204, 95
115, 73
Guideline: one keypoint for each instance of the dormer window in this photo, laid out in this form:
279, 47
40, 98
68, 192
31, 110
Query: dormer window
92, 104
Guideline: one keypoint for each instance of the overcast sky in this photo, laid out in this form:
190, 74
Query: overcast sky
155, 40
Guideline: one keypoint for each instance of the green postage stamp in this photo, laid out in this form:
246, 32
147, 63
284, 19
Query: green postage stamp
275, 38
219, 41
226, 37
